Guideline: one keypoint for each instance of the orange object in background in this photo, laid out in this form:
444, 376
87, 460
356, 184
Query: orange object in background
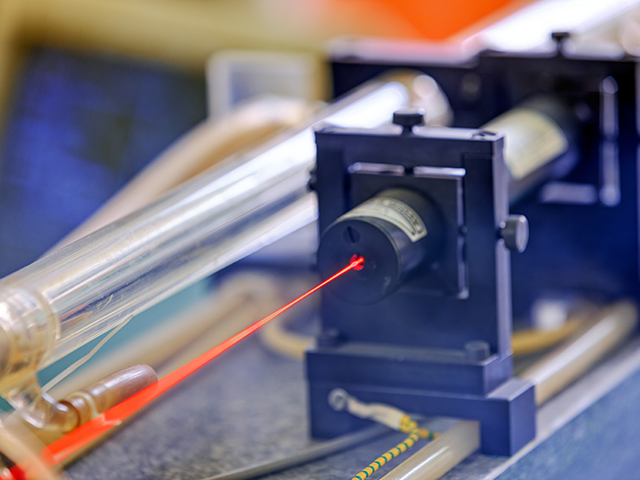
433, 20
441, 19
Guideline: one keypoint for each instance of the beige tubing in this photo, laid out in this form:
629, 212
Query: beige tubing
524, 342
441, 455
279, 339
240, 301
551, 374
260, 297
202, 147
20, 446
556, 370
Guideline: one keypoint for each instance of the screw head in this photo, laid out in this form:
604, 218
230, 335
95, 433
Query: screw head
338, 399
407, 118
515, 232
477, 350
328, 338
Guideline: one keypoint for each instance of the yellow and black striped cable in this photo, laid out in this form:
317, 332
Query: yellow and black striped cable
407, 425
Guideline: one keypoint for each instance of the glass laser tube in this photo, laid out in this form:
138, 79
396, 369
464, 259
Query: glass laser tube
73, 295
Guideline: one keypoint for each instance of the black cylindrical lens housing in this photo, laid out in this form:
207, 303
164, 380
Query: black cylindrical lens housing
396, 232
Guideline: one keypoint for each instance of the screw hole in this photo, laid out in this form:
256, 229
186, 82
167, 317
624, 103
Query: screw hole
352, 235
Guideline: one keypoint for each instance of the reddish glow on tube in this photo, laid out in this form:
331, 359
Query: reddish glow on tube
82, 436
17, 473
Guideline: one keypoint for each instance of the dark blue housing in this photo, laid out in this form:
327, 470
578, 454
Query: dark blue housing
438, 343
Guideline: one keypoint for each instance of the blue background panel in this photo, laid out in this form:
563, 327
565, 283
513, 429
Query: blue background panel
78, 128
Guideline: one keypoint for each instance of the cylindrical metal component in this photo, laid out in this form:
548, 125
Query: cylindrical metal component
396, 231
552, 373
515, 233
540, 142
108, 392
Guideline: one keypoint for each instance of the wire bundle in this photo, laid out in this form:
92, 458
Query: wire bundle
407, 425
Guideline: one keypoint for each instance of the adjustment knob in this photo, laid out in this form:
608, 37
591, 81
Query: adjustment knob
407, 118
515, 232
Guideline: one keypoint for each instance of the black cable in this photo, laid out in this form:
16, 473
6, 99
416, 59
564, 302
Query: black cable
310, 454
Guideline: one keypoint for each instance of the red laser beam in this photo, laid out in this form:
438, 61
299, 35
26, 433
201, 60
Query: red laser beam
82, 436
359, 262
